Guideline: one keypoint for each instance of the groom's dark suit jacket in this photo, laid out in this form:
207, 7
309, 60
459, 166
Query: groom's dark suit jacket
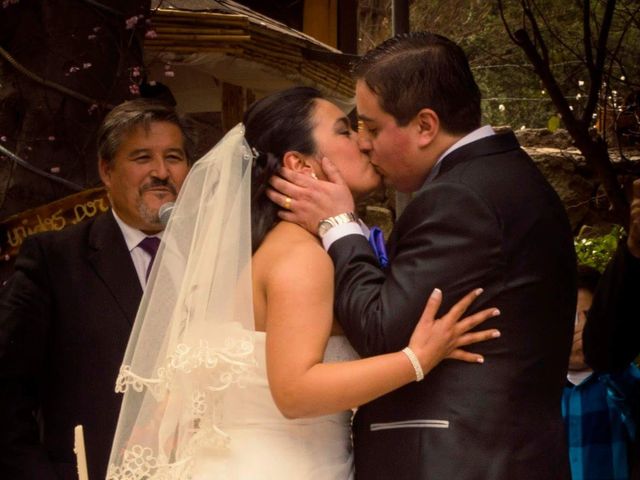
65, 319
489, 219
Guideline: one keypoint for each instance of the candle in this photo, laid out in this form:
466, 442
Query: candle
80, 453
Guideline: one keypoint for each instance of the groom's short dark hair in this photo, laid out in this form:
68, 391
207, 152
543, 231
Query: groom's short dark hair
419, 70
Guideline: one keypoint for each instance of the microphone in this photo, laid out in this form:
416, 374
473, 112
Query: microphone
164, 212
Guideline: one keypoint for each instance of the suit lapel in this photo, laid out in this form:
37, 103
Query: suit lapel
493, 145
110, 258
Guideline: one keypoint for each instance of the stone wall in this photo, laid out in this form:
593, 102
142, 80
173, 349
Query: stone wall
566, 169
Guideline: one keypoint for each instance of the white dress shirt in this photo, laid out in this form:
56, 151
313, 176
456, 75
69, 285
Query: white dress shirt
133, 237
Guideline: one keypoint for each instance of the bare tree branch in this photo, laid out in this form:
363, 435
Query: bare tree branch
601, 54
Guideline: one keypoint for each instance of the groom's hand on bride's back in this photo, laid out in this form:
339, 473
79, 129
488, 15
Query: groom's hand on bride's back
311, 200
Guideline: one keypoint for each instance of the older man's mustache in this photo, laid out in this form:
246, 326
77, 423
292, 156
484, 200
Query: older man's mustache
159, 183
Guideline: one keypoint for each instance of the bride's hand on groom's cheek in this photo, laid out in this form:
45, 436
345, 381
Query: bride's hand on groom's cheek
436, 339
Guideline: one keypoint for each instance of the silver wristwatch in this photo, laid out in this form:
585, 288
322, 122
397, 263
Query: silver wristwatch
328, 223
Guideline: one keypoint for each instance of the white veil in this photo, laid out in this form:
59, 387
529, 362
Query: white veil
192, 338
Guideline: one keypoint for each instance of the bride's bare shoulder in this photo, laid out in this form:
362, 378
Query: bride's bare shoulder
289, 247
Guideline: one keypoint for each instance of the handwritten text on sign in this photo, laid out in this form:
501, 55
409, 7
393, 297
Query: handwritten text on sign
51, 217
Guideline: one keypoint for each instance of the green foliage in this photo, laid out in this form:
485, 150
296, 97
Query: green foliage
596, 251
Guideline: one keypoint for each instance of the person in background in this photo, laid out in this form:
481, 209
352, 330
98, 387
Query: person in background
612, 332
67, 311
599, 407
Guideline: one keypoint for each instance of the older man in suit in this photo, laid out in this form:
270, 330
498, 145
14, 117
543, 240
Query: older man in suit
66, 313
482, 216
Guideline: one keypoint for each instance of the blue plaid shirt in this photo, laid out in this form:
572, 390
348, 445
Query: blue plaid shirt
600, 416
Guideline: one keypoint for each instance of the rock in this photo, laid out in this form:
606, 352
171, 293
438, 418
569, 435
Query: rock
561, 169
542, 137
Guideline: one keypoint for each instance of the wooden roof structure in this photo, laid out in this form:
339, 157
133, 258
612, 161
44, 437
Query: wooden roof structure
194, 27
193, 32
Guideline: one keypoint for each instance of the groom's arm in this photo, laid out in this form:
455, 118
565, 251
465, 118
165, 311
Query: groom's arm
447, 238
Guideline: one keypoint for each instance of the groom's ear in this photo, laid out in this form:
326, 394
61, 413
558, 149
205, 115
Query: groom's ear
427, 125
296, 161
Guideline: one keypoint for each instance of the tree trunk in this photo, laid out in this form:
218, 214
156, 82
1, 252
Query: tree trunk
594, 149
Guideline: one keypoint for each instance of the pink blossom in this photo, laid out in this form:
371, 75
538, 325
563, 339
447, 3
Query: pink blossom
97, 29
169, 73
135, 72
130, 23
91, 37
74, 69
3, 138
86, 65
134, 89
55, 170
151, 34
51, 138
7, 3
92, 108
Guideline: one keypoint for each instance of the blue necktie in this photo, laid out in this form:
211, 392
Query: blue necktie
150, 245
376, 240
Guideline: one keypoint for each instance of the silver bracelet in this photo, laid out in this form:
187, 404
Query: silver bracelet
415, 363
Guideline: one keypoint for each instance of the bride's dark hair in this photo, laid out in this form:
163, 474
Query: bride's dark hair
276, 124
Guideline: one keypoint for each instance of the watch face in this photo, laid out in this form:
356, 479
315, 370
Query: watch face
324, 227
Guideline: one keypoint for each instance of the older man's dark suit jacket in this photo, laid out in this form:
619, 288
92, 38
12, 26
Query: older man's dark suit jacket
65, 318
489, 219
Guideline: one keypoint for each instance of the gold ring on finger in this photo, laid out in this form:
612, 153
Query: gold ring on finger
287, 203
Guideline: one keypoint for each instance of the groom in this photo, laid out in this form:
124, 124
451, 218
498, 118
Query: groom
482, 215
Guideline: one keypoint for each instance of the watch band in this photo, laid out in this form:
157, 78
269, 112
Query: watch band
328, 223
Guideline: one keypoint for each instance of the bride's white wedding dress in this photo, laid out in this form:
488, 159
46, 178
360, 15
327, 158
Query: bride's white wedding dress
265, 445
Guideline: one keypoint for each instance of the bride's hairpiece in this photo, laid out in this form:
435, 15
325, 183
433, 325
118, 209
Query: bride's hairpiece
257, 158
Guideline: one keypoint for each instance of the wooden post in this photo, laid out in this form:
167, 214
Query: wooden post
400, 16
250, 97
232, 105
320, 20
348, 26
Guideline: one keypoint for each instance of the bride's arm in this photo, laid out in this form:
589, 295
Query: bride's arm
299, 293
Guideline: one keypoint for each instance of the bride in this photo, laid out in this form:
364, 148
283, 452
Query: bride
235, 368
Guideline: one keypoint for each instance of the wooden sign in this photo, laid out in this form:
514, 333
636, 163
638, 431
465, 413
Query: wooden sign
51, 217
